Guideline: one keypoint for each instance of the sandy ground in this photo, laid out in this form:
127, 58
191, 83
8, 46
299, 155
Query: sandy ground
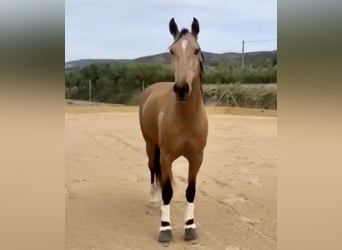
107, 185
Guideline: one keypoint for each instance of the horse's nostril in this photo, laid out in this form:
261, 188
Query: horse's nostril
175, 88
186, 88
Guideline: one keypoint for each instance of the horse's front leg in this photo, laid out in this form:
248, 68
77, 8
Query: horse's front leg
165, 230
190, 232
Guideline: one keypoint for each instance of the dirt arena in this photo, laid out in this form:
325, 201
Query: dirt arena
107, 184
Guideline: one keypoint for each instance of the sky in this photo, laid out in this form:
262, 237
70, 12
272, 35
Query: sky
127, 29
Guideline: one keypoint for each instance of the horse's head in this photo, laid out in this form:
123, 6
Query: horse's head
186, 59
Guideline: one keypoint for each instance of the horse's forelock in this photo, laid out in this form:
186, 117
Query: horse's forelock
181, 34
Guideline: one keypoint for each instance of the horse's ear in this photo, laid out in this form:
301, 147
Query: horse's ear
195, 27
173, 28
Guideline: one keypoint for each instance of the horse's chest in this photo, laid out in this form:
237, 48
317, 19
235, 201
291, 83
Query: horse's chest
180, 136
184, 140
190, 143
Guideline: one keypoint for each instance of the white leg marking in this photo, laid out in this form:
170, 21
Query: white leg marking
155, 193
189, 211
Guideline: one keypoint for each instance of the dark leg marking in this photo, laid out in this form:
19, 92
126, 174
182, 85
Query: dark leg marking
189, 222
154, 166
165, 223
152, 175
191, 191
167, 192
157, 168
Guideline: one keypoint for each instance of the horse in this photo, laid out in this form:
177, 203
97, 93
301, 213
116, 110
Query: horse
174, 123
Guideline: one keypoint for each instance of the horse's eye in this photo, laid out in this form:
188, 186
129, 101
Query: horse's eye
171, 51
196, 51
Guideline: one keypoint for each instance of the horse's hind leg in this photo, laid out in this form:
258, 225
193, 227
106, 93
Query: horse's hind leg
153, 154
190, 232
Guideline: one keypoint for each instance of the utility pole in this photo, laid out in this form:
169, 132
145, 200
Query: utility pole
89, 90
243, 55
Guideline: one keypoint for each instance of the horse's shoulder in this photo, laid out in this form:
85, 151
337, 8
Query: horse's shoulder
158, 92
161, 86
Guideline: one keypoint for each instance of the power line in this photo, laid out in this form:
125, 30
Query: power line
233, 47
261, 41
231, 50
251, 41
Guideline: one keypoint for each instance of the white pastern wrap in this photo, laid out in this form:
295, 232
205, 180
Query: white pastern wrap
155, 193
165, 213
189, 211
164, 228
190, 226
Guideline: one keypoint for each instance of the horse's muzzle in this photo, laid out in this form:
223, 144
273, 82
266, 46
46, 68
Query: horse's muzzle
181, 91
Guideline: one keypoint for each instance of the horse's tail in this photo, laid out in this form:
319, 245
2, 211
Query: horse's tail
162, 175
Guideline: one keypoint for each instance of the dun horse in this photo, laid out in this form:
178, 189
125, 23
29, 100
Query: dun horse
174, 123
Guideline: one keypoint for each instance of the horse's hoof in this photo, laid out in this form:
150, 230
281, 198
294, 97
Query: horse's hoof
165, 236
190, 234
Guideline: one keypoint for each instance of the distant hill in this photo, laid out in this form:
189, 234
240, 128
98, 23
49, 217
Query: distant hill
86, 62
210, 58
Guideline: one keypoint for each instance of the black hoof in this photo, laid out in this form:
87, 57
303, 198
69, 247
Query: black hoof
190, 234
165, 236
